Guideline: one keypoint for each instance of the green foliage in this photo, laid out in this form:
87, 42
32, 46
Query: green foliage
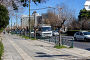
59, 47
1, 30
84, 14
22, 1
25, 2
14, 6
4, 17
1, 49
26, 37
71, 32
39, 1
33, 39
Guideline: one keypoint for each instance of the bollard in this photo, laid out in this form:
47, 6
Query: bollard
49, 39
72, 43
55, 39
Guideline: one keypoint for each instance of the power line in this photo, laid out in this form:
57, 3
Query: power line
42, 8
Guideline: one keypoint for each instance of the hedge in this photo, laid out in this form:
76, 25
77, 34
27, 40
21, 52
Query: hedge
72, 32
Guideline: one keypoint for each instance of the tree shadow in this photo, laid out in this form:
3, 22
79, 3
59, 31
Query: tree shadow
41, 54
46, 55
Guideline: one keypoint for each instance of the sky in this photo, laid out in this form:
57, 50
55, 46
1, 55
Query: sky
75, 5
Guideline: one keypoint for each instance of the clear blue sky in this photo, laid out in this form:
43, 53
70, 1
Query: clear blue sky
75, 5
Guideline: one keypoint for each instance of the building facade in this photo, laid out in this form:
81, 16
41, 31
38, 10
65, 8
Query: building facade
87, 5
25, 20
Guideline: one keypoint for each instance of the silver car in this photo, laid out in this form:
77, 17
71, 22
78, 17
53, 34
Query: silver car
83, 35
55, 33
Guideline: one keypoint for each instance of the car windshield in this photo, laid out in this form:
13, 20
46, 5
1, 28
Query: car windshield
46, 28
55, 31
86, 33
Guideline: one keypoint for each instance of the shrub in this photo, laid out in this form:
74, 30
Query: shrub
1, 49
71, 32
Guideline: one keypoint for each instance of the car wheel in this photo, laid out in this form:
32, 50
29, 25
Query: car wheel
75, 38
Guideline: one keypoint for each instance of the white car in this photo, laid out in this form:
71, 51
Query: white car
83, 35
55, 33
32, 33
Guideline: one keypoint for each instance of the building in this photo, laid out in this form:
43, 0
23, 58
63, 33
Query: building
87, 5
25, 20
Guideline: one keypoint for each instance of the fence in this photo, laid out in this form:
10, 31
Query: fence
65, 40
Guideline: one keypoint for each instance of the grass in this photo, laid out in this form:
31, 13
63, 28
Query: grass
1, 49
25, 37
1, 30
28, 37
33, 39
59, 47
71, 47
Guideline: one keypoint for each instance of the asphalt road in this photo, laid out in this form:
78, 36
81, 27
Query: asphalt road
82, 45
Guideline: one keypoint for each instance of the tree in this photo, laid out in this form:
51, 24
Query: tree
74, 25
4, 17
84, 18
84, 14
18, 3
58, 18
51, 18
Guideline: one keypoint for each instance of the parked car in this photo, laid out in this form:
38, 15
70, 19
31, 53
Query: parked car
55, 33
44, 30
32, 33
83, 35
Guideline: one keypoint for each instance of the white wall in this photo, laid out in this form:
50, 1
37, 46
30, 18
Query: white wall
87, 5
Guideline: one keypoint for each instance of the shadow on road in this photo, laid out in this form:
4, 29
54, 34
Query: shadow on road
41, 54
46, 55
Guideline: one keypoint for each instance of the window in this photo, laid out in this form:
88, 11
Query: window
77, 33
46, 28
89, 7
86, 33
81, 33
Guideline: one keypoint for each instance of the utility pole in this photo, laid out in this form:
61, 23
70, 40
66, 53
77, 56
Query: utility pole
29, 22
11, 24
16, 21
21, 23
21, 27
35, 24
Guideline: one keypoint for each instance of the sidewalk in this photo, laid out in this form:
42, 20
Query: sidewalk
81, 53
17, 48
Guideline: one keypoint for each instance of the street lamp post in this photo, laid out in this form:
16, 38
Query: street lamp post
29, 22
35, 24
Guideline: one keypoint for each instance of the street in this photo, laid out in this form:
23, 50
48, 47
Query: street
82, 45
17, 48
